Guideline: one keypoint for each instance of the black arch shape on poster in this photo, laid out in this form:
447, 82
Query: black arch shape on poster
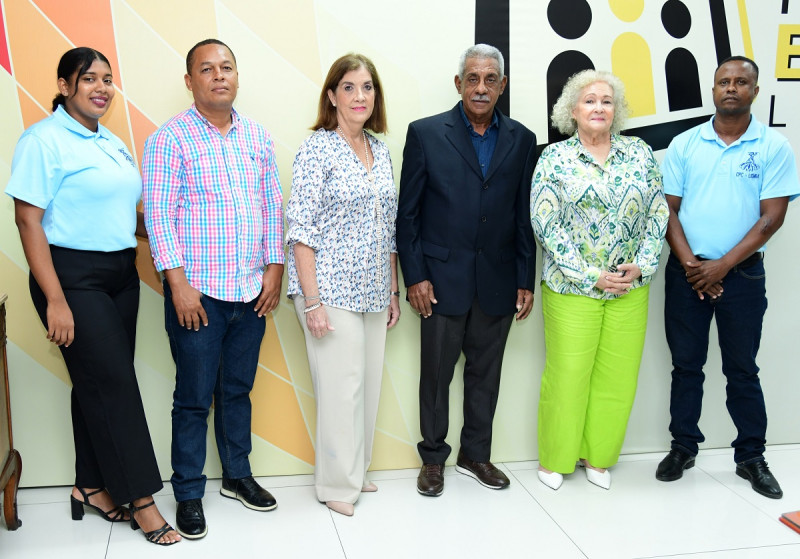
658, 136
492, 27
683, 80
561, 68
719, 26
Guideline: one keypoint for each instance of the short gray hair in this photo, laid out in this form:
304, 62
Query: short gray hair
562, 117
481, 50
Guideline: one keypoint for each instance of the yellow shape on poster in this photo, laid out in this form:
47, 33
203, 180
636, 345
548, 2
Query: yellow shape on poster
787, 50
630, 61
627, 10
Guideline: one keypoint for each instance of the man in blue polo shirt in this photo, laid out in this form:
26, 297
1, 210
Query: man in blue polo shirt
728, 183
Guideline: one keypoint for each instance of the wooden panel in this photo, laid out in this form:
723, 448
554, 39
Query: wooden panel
12, 463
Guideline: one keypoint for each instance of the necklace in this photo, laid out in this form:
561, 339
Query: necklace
366, 151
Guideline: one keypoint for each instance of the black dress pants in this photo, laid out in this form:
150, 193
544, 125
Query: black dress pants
112, 442
482, 338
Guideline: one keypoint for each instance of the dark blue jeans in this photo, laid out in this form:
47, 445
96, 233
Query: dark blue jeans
219, 360
739, 313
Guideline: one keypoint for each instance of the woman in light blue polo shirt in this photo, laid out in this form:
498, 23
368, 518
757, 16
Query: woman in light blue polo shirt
75, 188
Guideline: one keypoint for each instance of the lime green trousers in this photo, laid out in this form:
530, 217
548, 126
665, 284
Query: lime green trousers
594, 348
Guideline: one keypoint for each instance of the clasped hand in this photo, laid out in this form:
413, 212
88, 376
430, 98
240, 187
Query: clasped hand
619, 282
705, 276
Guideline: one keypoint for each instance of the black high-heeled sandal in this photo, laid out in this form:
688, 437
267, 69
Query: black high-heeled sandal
116, 514
155, 535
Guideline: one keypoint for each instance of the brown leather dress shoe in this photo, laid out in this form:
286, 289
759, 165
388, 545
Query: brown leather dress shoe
484, 472
430, 481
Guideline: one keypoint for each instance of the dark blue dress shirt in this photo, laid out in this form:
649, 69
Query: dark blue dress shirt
484, 145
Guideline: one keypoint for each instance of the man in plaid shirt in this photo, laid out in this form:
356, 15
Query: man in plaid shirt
213, 211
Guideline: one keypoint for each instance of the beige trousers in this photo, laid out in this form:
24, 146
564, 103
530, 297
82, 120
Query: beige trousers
346, 369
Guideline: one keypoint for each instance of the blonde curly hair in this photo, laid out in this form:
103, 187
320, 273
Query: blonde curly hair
562, 117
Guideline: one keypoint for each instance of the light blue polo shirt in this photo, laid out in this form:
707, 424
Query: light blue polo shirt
86, 182
721, 186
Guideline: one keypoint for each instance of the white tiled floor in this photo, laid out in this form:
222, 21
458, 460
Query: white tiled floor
709, 514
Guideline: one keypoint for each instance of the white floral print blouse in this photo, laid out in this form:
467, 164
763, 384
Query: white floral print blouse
590, 217
347, 220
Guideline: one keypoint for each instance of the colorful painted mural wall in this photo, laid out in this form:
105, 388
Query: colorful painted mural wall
664, 50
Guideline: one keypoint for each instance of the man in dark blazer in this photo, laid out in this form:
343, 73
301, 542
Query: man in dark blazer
467, 252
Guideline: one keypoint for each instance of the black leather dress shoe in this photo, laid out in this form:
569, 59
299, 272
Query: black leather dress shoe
761, 479
430, 481
673, 464
249, 492
190, 520
485, 472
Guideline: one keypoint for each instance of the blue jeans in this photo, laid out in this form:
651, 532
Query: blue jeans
739, 313
219, 360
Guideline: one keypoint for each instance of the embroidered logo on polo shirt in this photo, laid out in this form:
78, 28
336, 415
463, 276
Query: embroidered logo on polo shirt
749, 169
127, 157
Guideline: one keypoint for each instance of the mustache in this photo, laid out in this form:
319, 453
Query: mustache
480, 98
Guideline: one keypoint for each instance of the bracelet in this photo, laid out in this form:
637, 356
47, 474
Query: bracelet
395, 293
310, 308
311, 297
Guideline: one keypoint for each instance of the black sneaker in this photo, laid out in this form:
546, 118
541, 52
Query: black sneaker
249, 492
190, 520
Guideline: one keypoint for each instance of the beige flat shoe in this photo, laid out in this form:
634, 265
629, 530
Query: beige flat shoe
341, 507
369, 487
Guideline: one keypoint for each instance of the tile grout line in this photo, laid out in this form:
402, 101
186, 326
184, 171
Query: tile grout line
752, 505
338, 535
535, 500
715, 551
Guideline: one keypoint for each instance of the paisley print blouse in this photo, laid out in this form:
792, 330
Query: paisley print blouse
590, 217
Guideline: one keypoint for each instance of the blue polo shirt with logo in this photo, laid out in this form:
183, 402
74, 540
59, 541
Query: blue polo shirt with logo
721, 185
87, 183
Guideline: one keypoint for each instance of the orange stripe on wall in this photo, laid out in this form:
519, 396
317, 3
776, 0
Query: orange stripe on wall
35, 47
31, 112
87, 23
277, 417
271, 354
145, 267
141, 128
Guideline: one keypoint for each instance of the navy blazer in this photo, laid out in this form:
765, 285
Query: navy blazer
467, 235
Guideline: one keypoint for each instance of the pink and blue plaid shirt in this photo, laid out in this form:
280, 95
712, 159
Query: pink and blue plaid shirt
213, 204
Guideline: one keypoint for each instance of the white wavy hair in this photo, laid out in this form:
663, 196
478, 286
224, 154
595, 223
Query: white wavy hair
562, 117
481, 50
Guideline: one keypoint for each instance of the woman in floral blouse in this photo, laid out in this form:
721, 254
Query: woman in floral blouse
343, 271
598, 210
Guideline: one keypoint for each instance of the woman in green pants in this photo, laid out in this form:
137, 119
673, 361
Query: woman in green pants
598, 210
